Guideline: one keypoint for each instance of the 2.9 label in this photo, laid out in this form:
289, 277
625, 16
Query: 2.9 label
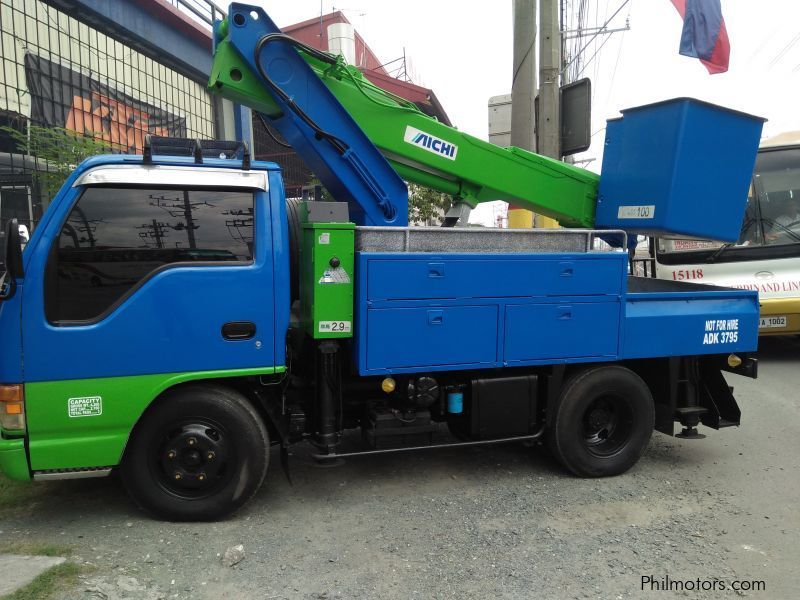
334, 327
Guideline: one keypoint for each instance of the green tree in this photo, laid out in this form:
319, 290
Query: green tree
57, 150
426, 206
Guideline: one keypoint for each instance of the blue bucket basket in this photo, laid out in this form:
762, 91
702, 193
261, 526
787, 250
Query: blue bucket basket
678, 168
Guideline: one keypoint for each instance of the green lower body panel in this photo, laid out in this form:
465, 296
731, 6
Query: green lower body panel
85, 423
13, 460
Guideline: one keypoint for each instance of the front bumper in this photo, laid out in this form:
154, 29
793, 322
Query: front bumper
787, 307
14, 460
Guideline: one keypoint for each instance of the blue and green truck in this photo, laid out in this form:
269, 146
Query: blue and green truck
174, 316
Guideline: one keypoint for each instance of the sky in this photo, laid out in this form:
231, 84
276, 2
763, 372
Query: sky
463, 51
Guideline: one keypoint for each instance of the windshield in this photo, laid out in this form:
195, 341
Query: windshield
777, 181
772, 215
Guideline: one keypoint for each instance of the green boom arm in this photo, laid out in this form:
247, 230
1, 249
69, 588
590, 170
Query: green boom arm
429, 153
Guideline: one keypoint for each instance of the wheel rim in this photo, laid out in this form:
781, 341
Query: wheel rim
607, 425
193, 458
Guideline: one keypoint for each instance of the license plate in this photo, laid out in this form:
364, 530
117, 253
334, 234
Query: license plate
770, 322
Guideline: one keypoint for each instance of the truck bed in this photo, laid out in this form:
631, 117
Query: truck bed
671, 318
434, 299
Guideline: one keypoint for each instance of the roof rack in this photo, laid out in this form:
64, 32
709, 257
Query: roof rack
199, 149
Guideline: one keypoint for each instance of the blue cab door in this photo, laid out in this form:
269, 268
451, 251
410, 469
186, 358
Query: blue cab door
145, 274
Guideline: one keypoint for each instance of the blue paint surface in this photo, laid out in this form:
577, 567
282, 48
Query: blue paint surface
172, 323
678, 167
431, 312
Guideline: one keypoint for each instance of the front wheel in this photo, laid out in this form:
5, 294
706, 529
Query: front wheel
602, 422
198, 454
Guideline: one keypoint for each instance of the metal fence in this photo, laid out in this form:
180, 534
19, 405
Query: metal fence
68, 90
268, 144
203, 11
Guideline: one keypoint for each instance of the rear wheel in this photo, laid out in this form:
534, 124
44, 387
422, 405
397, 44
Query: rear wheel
200, 453
603, 421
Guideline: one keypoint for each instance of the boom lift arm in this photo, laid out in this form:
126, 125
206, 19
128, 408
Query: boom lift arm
360, 140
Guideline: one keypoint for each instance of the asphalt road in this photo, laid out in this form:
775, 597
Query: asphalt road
501, 522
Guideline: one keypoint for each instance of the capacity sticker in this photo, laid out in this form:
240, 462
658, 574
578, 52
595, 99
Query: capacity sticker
89, 406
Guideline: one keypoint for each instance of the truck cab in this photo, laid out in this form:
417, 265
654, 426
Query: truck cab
120, 281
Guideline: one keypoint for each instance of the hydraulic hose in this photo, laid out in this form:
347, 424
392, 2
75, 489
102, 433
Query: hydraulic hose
340, 146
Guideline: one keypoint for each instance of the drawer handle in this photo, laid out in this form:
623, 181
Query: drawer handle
566, 269
435, 317
564, 313
435, 270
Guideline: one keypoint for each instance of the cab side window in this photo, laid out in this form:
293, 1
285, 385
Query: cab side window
114, 238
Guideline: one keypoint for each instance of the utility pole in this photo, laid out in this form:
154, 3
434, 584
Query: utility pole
549, 123
187, 214
523, 92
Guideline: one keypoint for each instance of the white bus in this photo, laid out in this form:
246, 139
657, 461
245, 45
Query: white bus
766, 257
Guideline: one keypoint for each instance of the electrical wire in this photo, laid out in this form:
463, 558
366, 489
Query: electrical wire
268, 129
598, 32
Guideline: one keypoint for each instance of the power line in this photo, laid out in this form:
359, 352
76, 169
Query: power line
784, 51
602, 29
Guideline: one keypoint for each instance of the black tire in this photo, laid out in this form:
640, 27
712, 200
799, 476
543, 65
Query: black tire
198, 454
602, 422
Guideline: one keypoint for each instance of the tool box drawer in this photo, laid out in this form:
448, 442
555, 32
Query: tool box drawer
431, 336
444, 278
561, 330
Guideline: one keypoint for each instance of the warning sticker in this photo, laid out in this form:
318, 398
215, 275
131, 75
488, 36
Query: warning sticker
89, 406
337, 275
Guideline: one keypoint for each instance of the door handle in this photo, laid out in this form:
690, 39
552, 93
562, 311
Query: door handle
238, 330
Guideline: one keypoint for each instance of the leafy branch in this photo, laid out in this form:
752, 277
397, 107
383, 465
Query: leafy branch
59, 150
426, 206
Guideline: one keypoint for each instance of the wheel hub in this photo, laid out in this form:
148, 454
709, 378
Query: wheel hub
193, 458
599, 418
606, 425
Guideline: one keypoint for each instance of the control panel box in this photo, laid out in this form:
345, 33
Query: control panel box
326, 279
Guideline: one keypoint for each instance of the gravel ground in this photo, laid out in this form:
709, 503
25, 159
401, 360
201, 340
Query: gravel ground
500, 522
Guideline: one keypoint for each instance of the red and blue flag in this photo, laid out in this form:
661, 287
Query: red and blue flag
704, 35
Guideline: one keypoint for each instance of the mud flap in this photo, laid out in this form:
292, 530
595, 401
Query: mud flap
717, 398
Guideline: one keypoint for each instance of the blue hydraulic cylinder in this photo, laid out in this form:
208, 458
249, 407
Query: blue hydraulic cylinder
344, 159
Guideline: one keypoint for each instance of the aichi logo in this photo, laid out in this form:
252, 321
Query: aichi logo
430, 143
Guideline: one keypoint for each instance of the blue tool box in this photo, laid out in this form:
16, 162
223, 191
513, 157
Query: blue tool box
423, 312
678, 168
